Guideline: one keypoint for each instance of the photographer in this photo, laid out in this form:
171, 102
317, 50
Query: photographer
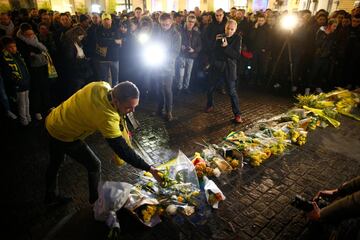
345, 203
224, 65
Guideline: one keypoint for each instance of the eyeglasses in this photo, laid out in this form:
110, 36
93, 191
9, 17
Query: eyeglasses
218, 15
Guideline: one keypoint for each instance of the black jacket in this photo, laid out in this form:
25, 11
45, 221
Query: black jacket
106, 47
190, 39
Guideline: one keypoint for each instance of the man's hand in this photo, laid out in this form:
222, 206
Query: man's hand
190, 50
118, 41
155, 174
219, 36
314, 215
325, 193
224, 42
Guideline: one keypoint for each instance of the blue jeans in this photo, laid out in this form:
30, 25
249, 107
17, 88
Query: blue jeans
216, 78
104, 67
185, 69
3, 96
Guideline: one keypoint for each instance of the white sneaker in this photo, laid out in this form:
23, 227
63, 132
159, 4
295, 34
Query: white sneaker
294, 88
28, 118
277, 85
307, 91
38, 116
11, 115
318, 90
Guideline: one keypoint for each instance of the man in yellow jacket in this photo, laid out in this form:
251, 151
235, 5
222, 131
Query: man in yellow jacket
95, 107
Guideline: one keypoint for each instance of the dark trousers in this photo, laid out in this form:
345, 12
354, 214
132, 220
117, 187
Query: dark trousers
216, 77
39, 89
79, 151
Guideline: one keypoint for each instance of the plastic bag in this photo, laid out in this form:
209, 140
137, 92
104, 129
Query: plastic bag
211, 155
213, 193
183, 170
112, 196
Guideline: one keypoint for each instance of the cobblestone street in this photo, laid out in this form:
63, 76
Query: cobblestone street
257, 204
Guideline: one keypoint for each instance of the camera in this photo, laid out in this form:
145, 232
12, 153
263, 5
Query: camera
306, 205
302, 204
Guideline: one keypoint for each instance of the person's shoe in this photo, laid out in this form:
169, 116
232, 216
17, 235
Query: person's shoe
187, 91
158, 113
11, 115
294, 89
24, 122
169, 117
38, 116
223, 91
209, 109
238, 119
307, 91
51, 200
318, 90
177, 92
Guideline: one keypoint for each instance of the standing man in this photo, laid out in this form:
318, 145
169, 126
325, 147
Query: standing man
171, 40
224, 65
190, 48
260, 42
96, 107
108, 43
6, 25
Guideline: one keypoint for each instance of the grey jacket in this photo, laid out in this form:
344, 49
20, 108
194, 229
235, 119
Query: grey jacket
172, 42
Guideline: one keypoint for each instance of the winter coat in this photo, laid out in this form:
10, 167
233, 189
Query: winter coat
190, 39
225, 58
15, 73
171, 40
106, 47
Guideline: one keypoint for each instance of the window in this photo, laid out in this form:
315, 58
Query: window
172, 5
240, 4
262, 4
191, 4
156, 5
224, 4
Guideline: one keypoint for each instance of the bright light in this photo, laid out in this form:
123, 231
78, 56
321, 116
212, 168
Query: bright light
143, 38
95, 8
154, 54
289, 22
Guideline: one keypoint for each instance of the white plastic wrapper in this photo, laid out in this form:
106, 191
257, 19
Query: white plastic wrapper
210, 186
137, 199
112, 196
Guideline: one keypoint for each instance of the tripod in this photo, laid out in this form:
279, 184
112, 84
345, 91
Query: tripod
290, 59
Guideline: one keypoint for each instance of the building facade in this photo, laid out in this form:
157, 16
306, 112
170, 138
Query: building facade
169, 5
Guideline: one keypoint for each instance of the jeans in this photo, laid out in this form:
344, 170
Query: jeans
104, 67
165, 94
185, 69
23, 106
3, 96
216, 78
79, 151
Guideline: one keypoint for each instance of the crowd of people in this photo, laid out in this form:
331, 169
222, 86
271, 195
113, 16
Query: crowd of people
47, 56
